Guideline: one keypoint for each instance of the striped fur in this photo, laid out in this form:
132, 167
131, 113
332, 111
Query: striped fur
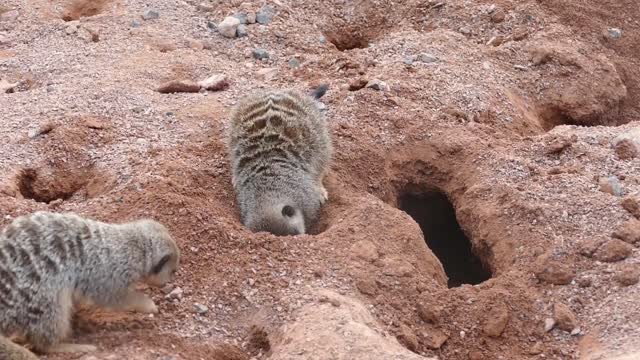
280, 151
47, 259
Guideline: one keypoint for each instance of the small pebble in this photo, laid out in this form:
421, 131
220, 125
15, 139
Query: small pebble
212, 26
265, 15
251, 17
175, 294
549, 323
408, 60
242, 16
241, 31
294, 63
135, 24
228, 27
260, 54
322, 40
427, 58
377, 84
200, 309
150, 14
614, 33
610, 185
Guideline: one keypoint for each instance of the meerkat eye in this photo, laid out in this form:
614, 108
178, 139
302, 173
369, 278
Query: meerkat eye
158, 267
288, 211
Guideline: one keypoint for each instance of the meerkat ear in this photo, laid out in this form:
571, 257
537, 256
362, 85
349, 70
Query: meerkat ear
158, 267
288, 211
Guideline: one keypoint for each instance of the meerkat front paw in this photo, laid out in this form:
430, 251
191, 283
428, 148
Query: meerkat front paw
138, 302
324, 194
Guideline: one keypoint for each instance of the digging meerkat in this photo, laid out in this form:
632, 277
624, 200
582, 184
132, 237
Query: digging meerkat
280, 151
48, 260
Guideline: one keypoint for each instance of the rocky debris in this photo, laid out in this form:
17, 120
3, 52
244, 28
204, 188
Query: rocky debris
367, 286
629, 231
7, 87
251, 17
4, 40
229, 27
429, 313
72, 27
559, 144
365, 250
564, 318
267, 74
320, 329
175, 294
427, 58
150, 14
496, 321
434, 338
614, 250
395, 266
41, 130
627, 144
200, 309
241, 31
178, 86
498, 15
408, 338
610, 185
293, 63
614, 33
627, 275
260, 54
554, 272
241, 16
549, 324
377, 84
631, 203
265, 15
357, 84
215, 82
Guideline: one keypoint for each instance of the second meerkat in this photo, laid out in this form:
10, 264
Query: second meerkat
280, 151
48, 260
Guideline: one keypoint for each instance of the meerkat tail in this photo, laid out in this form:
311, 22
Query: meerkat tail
12, 351
320, 91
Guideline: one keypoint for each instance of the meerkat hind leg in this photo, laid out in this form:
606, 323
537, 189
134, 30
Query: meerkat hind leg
136, 301
71, 348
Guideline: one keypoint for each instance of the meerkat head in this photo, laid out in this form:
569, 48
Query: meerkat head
163, 258
284, 212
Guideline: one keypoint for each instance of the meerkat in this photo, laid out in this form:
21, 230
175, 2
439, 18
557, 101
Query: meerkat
49, 260
12, 351
280, 151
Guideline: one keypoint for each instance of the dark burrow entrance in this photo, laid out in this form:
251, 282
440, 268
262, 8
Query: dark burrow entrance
436, 216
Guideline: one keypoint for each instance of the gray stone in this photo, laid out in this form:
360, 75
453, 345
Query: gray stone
427, 58
294, 63
212, 26
150, 14
135, 24
229, 26
265, 14
242, 16
614, 33
377, 84
260, 54
241, 31
200, 309
611, 185
322, 39
408, 60
251, 17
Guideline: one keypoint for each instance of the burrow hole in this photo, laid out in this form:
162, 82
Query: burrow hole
61, 184
436, 216
347, 39
76, 9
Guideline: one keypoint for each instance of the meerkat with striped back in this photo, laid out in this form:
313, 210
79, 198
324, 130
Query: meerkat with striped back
49, 260
280, 151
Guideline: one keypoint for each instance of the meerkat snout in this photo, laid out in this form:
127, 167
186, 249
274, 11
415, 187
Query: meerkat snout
165, 258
